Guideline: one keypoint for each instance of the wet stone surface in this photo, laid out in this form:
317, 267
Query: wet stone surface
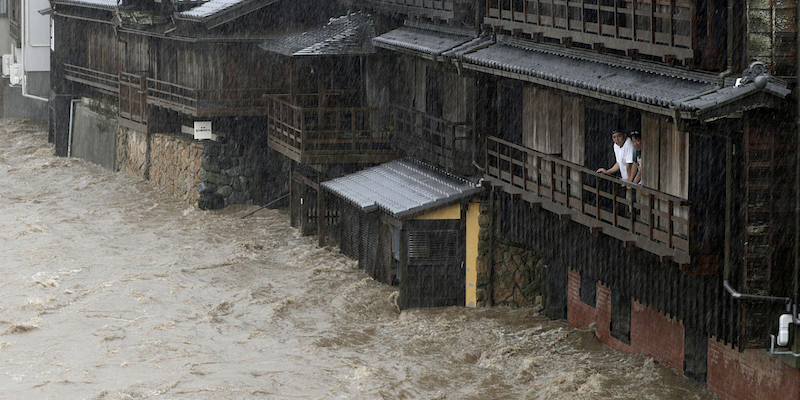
113, 290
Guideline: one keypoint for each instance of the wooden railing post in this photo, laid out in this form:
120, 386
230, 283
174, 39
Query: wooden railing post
352, 128
670, 227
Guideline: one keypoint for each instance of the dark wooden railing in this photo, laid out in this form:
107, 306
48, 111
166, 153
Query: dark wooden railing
661, 28
98, 80
428, 8
132, 99
433, 140
600, 200
207, 102
324, 135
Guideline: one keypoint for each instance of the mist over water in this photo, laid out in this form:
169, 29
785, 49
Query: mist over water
111, 290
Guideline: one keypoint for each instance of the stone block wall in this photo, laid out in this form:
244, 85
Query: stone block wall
133, 152
207, 174
175, 166
516, 275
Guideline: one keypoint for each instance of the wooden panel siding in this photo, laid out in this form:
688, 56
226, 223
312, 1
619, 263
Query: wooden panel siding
670, 30
698, 301
541, 121
600, 202
572, 129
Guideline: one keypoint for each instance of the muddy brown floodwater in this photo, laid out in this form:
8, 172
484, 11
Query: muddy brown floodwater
111, 290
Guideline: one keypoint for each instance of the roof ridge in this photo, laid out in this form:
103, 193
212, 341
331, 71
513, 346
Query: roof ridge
635, 65
438, 28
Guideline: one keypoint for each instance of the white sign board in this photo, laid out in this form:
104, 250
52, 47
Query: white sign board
202, 130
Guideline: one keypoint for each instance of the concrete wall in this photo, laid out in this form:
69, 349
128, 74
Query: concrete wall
94, 136
14, 105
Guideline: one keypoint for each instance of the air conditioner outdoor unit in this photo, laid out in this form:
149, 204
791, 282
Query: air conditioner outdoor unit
8, 59
16, 74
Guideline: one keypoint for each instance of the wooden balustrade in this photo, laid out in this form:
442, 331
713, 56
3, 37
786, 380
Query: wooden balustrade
132, 99
644, 213
101, 81
207, 102
433, 140
327, 135
661, 28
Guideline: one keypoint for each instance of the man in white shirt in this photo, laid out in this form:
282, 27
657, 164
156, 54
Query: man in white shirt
623, 152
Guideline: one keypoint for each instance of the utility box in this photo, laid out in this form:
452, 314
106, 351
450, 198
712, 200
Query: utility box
8, 59
16, 74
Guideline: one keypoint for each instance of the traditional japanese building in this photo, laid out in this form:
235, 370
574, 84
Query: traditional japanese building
452, 148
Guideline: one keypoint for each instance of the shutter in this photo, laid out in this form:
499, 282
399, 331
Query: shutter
369, 243
433, 274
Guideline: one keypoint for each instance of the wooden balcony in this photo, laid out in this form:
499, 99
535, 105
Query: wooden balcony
308, 134
657, 222
99, 81
133, 101
666, 29
441, 10
207, 102
438, 142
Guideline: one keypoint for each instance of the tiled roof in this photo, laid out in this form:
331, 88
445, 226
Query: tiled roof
214, 8
732, 93
401, 188
97, 4
347, 35
633, 84
423, 38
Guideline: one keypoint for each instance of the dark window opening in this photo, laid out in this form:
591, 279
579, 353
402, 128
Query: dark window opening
621, 315
588, 290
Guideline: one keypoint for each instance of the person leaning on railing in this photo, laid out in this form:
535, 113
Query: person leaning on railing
624, 154
636, 140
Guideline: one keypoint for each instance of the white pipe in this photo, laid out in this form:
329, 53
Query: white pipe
26, 37
71, 115
783, 329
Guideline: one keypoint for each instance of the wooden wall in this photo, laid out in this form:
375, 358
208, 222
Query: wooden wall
665, 156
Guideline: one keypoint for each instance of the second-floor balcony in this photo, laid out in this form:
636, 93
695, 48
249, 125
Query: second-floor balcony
445, 144
198, 102
99, 81
657, 222
431, 9
669, 30
304, 128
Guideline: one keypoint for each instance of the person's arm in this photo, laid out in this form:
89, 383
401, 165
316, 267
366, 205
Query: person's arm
636, 172
611, 171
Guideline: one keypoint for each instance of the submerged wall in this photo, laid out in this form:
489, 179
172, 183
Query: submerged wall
94, 136
207, 174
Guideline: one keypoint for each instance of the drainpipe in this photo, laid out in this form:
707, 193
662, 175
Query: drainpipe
729, 46
71, 116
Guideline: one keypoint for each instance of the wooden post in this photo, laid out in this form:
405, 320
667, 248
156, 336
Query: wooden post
292, 199
321, 208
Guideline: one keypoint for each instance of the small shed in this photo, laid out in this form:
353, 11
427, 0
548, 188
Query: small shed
413, 226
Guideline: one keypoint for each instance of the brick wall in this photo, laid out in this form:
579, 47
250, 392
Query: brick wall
749, 375
652, 333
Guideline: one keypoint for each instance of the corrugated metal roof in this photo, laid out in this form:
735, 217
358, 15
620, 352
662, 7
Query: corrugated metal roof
97, 4
636, 85
401, 188
423, 38
346, 35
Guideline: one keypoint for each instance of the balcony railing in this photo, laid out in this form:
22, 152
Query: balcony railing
426, 8
660, 28
207, 102
655, 221
100, 81
323, 135
132, 100
433, 140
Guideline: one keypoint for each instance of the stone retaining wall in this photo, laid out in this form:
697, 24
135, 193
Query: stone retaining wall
133, 152
207, 174
516, 274
175, 166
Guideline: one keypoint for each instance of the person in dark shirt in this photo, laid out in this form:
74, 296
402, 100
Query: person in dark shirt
636, 139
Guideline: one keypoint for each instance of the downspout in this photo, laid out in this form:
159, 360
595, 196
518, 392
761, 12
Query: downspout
26, 39
71, 117
729, 46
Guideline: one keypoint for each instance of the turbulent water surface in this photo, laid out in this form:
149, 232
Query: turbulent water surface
111, 290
